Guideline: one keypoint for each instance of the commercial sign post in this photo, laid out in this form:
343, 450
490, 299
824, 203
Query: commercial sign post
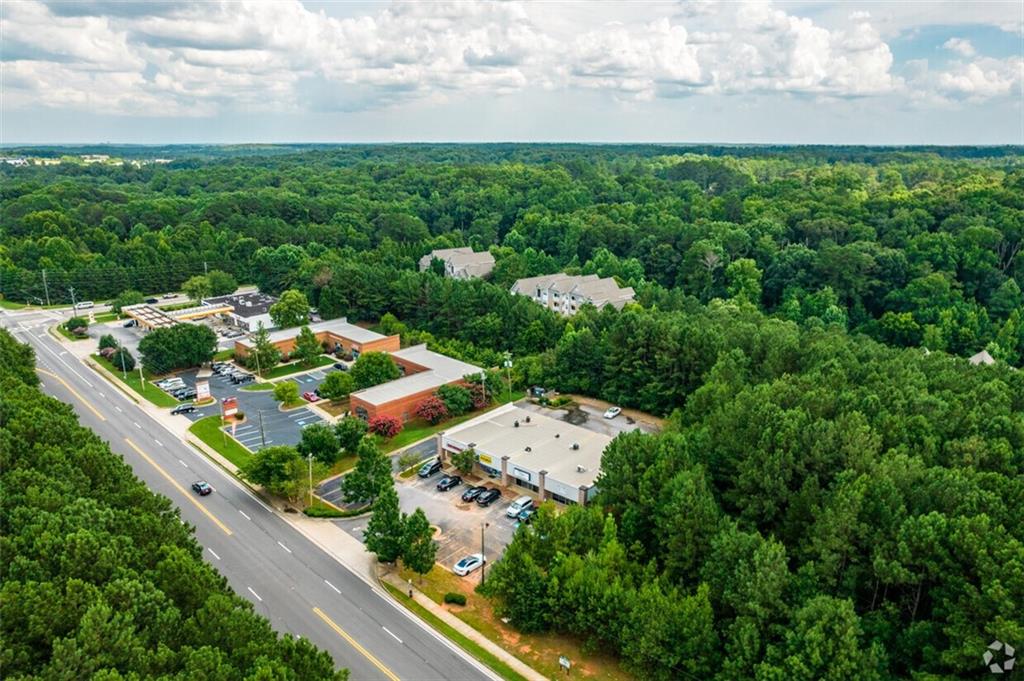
202, 391
565, 663
228, 406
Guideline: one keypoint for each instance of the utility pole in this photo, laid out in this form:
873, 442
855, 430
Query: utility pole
73, 303
120, 351
483, 565
205, 268
263, 436
46, 287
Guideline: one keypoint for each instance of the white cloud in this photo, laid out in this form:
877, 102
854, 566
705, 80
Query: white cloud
961, 46
170, 58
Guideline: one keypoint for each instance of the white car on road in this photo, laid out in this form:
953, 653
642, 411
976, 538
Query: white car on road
612, 412
468, 564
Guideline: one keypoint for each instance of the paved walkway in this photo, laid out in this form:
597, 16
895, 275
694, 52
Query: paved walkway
469, 632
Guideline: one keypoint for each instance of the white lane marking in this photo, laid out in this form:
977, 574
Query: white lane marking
213, 552
284, 547
332, 586
137, 425
161, 444
244, 515
254, 594
118, 408
101, 394
71, 368
183, 463
392, 635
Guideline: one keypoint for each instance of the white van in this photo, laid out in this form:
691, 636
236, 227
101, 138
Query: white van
518, 506
84, 305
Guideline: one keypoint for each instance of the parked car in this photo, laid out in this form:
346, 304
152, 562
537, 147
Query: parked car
186, 408
167, 296
186, 394
202, 487
310, 396
488, 496
468, 564
243, 378
429, 468
525, 516
473, 492
341, 366
106, 353
448, 481
130, 323
612, 412
518, 506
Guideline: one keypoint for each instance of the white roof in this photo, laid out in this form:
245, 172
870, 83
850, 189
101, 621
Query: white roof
982, 358
339, 327
550, 442
440, 370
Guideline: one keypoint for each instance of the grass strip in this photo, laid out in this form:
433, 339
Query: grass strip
296, 367
149, 392
452, 634
208, 430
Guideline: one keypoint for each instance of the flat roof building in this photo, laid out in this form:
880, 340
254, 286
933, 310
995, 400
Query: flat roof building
539, 455
424, 371
460, 263
248, 309
566, 293
336, 334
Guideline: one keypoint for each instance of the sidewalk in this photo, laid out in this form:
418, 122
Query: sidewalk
469, 632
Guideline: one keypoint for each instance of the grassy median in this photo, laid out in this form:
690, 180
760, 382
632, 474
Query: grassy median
144, 389
208, 430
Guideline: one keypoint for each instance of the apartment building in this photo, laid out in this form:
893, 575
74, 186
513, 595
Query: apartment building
566, 293
460, 263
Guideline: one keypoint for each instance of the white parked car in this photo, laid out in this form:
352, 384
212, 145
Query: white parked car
518, 506
612, 412
468, 564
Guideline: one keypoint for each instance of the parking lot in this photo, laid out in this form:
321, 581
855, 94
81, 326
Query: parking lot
459, 522
278, 428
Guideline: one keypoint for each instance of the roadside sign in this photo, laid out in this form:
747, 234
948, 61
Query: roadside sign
564, 663
229, 406
202, 391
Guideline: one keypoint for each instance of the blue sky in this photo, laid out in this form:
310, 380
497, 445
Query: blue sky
700, 71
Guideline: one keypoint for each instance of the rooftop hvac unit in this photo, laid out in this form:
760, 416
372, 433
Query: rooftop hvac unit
558, 435
529, 449
575, 445
515, 424
527, 418
581, 469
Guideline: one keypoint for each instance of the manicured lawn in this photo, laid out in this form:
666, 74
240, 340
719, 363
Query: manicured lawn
417, 429
254, 386
148, 392
471, 647
106, 317
296, 367
540, 651
295, 405
333, 408
208, 430
223, 355
345, 463
11, 305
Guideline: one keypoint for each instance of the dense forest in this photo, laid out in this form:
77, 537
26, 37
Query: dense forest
838, 494
914, 248
100, 577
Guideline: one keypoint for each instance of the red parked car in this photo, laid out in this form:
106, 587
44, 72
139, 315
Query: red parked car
310, 396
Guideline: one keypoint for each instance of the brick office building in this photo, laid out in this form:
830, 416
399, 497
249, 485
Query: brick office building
337, 333
424, 371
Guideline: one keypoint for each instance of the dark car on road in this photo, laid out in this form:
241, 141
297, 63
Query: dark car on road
152, 301
473, 492
186, 408
429, 468
487, 496
201, 487
448, 481
340, 366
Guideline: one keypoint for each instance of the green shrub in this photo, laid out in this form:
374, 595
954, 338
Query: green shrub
456, 598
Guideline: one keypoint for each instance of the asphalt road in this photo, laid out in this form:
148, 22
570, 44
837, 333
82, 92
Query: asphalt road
290, 580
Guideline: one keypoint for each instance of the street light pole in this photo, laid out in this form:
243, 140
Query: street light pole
263, 435
508, 368
120, 351
483, 565
310, 457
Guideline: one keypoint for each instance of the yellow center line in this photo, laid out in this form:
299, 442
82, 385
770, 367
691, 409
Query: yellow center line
181, 489
352, 642
74, 392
